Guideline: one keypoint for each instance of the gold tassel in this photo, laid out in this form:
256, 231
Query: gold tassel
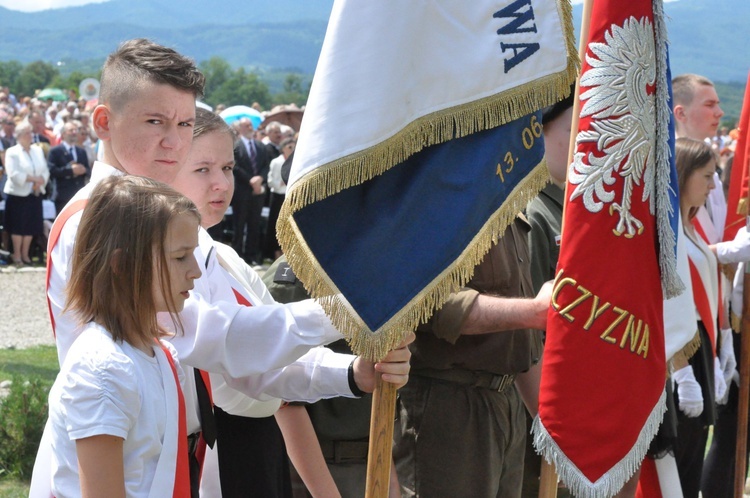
736, 322
742, 206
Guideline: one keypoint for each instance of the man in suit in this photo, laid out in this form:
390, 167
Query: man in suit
8, 132
250, 177
273, 132
68, 166
40, 134
7, 137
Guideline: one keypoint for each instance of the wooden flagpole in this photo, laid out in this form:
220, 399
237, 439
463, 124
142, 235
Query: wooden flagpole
548, 477
381, 439
740, 171
740, 462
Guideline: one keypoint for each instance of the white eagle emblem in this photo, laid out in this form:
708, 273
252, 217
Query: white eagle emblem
622, 124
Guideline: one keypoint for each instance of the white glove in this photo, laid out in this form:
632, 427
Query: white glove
728, 360
720, 385
734, 251
690, 398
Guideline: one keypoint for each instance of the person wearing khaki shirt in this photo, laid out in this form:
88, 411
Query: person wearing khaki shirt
461, 429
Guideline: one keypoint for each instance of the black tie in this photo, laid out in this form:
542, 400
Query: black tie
208, 423
72, 152
253, 155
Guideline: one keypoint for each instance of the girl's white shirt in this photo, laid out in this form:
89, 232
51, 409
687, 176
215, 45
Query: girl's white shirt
112, 388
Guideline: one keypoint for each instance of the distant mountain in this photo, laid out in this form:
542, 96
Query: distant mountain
171, 13
295, 45
706, 37
260, 33
710, 38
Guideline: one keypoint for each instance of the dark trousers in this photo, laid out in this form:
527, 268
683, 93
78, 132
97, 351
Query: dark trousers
252, 457
692, 433
195, 470
271, 243
62, 198
717, 480
246, 213
690, 446
454, 440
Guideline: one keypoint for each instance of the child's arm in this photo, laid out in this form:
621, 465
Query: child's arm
101, 467
394, 488
304, 451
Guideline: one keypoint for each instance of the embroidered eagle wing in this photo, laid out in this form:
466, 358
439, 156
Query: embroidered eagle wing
622, 123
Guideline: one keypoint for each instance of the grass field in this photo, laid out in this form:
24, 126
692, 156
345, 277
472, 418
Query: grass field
22, 364
13, 489
39, 361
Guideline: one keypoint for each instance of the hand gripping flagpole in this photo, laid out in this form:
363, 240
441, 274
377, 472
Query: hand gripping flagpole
548, 477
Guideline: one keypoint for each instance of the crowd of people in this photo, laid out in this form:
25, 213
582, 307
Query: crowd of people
183, 373
46, 152
37, 182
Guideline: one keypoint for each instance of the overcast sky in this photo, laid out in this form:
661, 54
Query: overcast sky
34, 5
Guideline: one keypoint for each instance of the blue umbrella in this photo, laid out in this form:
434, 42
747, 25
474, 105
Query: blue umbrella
236, 112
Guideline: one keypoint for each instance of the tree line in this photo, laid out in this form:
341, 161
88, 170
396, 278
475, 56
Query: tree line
224, 84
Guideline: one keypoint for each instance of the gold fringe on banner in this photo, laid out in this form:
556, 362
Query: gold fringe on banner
692, 347
374, 345
681, 357
357, 168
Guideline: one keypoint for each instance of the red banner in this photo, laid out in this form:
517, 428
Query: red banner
737, 208
604, 369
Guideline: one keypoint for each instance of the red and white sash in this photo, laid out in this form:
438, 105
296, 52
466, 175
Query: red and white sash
706, 289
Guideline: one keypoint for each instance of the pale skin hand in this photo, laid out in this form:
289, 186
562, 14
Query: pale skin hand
78, 169
394, 367
36, 182
496, 314
394, 488
256, 183
101, 468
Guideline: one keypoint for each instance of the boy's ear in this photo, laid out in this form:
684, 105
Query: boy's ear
101, 120
679, 112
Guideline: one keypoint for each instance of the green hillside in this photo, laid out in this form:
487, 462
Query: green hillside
731, 95
274, 38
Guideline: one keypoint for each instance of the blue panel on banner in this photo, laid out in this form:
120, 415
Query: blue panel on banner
674, 194
427, 209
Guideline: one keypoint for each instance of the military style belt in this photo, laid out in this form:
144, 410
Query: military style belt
344, 451
482, 380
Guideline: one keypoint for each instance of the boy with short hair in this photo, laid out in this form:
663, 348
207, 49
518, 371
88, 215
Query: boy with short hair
144, 119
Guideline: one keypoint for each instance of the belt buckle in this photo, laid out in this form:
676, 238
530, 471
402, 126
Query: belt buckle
500, 383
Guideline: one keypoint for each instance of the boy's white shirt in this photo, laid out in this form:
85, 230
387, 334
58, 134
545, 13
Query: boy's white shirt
221, 334
245, 281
